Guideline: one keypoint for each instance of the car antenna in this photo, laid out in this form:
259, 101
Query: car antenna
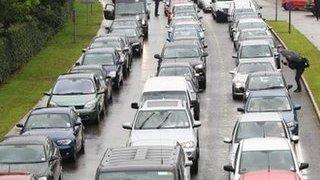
161, 149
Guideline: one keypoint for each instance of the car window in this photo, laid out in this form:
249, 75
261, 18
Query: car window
181, 95
265, 82
181, 52
98, 58
256, 51
268, 104
49, 120
137, 175
247, 68
74, 86
22, 153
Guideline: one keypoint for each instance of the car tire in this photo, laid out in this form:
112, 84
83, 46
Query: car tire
197, 112
125, 71
195, 166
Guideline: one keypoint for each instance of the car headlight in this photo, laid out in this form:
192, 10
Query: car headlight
188, 144
90, 104
52, 104
112, 73
239, 84
42, 178
137, 17
290, 124
143, 22
64, 141
199, 66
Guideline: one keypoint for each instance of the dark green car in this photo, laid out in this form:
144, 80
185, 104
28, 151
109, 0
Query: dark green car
81, 91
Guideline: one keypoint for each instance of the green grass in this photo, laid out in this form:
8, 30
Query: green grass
25, 88
298, 42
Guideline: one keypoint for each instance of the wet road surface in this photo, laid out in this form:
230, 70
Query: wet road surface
218, 110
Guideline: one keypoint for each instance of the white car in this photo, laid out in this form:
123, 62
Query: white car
167, 120
248, 23
241, 72
250, 34
264, 154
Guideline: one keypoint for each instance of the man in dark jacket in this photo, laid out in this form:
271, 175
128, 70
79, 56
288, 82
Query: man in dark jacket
295, 61
317, 9
156, 9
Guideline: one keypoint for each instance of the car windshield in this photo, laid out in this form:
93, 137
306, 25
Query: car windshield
74, 86
252, 25
43, 121
137, 175
22, 154
161, 119
247, 34
185, 33
265, 82
116, 24
95, 71
175, 71
247, 68
129, 8
128, 32
98, 58
184, 8
266, 160
256, 51
154, 95
181, 52
268, 104
105, 44
258, 129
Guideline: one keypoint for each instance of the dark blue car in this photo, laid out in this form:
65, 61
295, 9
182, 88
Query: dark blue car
61, 124
276, 100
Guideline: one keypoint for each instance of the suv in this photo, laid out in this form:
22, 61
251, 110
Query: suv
170, 120
81, 91
143, 162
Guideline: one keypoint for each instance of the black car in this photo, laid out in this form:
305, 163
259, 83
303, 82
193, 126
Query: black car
61, 124
120, 22
119, 45
126, 43
105, 80
134, 36
111, 61
35, 154
182, 52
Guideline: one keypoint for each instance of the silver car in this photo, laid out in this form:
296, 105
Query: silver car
167, 119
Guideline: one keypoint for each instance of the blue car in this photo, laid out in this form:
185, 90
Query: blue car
276, 100
61, 124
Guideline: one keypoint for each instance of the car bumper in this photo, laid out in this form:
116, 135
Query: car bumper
66, 151
88, 114
238, 90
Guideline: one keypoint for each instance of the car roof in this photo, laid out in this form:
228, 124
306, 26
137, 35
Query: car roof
162, 83
184, 4
107, 38
108, 50
175, 64
180, 43
45, 110
245, 20
266, 73
77, 75
267, 92
255, 42
139, 157
265, 144
89, 66
272, 174
260, 117
30, 139
162, 104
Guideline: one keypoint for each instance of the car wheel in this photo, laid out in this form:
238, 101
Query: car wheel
125, 71
195, 166
197, 112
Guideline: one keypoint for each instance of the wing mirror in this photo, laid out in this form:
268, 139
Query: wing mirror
228, 168
157, 56
232, 72
197, 124
227, 140
297, 107
127, 126
303, 166
19, 126
134, 105
205, 46
240, 109
77, 64
205, 54
47, 93
235, 56
295, 139
84, 50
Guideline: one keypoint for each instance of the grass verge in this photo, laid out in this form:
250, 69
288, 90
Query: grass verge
299, 43
25, 88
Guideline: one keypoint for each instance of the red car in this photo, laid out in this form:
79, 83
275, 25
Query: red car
273, 174
16, 176
296, 4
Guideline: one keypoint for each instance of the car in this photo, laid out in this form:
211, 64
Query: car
236, 17
248, 23
296, 4
256, 125
219, 10
205, 5
120, 22
265, 80
105, 80
167, 119
134, 36
251, 34
81, 91
185, 15
110, 60
144, 162
17, 176
34, 154
186, 30
264, 154
274, 101
266, 175
185, 7
179, 69
244, 6
159, 88
126, 43
61, 124
241, 72
180, 52
116, 43
257, 50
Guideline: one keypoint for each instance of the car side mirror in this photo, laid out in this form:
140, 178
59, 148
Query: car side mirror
84, 50
54, 158
127, 126
47, 93
126, 49
232, 72
228, 168
205, 54
193, 103
197, 124
188, 163
168, 39
295, 139
157, 56
227, 140
19, 126
240, 109
134, 105
289, 86
205, 46
235, 56
303, 166
260, 7
200, 17
77, 64
297, 107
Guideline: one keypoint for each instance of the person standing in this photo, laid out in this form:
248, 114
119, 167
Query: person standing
156, 8
317, 9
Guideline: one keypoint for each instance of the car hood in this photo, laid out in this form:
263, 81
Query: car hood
273, 174
223, 4
38, 169
287, 116
54, 133
179, 135
109, 68
193, 61
72, 100
270, 59
240, 78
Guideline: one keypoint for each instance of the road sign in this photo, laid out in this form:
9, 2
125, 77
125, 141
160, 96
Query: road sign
289, 5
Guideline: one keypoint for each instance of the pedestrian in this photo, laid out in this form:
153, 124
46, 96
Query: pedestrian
156, 8
297, 62
317, 9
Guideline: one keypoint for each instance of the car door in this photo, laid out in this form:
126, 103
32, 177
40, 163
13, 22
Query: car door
119, 65
54, 165
77, 129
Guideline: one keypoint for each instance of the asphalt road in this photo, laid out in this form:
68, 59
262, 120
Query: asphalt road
218, 110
